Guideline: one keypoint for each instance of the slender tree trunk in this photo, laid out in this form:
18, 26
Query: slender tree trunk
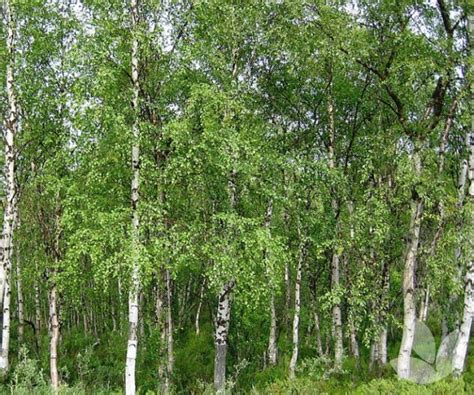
54, 334
198, 312
354, 344
224, 304
409, 313
4, 353
335, 270
130, 386
382, 346
462, 343
317, 327
20, 301
296, 317
37, 311
272, 341
222, 332
11, 129
272, 338
169, 333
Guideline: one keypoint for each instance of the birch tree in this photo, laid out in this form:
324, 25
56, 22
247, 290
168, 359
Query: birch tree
132, 345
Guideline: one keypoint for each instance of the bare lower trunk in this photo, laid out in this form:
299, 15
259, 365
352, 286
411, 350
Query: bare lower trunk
296, 317
54, 336
5, 330
198, 312
19, 290
382, 346
287, 295
462, 343
130, 386
319, 343
423, 314
354, 344
409, 313
37, 312
11, 129
221, 336
336, 314
272, 342
335, 271
272, 338
169, 334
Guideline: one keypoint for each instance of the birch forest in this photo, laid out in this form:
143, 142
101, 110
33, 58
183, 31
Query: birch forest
237, 197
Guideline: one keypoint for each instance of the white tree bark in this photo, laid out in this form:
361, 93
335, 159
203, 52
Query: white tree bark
11, 129
20, 301
335, 267
221, 336
54, 333
272, 339
198, 312
462, 343
169, 335
296, 316
409, 313
133, 307
4, 352
382, 346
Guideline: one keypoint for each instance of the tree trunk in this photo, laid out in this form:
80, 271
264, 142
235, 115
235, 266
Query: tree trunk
54, 334
37, 312
462, 343
198, 312
11, 129
409, 313
133, 307
222, 332
296, 317
335, 270
169, 334
5, 330
354, 343
382, 346
319, 343
272, 341
272, 338
19, 290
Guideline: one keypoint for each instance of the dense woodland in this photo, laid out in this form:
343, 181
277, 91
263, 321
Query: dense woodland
228, 196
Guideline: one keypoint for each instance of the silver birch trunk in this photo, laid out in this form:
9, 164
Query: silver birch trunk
198, 312
462, 343
11, 129
224, 302
37, 311
133, 307
169, 335
272, 339
221, 337
335, 269
382, 346
409, 309
317, 327
4, 352
460, 349
54, 334
296, 316
20, 301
